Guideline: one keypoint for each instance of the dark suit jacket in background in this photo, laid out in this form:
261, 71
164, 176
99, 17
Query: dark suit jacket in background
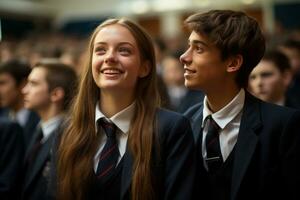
31, 124
29, 128
191, 98
11, 159
174, 172
267, 152
36, 178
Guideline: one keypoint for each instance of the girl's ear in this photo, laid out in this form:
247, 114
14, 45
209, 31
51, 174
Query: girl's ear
235, 63
144, 69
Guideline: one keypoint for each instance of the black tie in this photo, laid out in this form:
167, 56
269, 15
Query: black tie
33, 151
110, 153
213, 152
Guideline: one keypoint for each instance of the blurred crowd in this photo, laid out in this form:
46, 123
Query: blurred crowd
276, 79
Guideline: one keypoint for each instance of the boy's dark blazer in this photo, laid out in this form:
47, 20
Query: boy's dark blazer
174, 172
11, 157
29, 129
267, 152
30, 125
36, 179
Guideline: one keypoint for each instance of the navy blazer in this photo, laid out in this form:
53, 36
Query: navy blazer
174, 172
36, 179
11, 157
267, 152
30, 125
191, 98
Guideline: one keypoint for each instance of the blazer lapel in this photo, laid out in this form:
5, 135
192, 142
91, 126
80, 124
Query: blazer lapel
40, 160
246, 142
126, 174
196, 125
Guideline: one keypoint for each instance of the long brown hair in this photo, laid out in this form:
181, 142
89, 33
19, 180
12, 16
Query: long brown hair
79, 142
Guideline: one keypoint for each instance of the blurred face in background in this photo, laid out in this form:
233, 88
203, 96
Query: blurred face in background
173, 72
268, 83
294, 57
36, 92
10, 92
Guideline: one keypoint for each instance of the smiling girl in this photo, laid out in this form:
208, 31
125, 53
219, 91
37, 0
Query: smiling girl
152, 150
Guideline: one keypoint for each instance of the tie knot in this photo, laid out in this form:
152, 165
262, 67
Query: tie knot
212, 125
108, 126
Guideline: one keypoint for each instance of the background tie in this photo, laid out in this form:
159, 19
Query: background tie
35, 148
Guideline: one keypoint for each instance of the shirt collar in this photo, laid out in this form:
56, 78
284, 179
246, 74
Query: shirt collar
50, 125
121, 119
21, 116
227, 113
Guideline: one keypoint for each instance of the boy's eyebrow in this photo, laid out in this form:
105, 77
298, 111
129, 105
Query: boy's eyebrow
195, 42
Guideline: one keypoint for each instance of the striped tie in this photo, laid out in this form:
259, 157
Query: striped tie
110, 153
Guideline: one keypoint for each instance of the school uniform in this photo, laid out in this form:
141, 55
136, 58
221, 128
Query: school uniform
173, 164
260, 145
27, 119
37, 161
11, 157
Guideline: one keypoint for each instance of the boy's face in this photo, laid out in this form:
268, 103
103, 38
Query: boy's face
204, 68
36, 92
267, 82
10, 92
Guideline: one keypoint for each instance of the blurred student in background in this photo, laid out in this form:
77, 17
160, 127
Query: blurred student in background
11, 159
50, 88
291, 48
181, 98
270, 79
13, 77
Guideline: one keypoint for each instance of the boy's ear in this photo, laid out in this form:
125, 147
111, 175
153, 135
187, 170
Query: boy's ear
234, 63
144, 69
57, 94
287, 77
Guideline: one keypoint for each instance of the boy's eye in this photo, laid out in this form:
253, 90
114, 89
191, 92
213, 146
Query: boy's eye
199, 49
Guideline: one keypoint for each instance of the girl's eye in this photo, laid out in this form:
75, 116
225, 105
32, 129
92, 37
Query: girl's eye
100, 50
125, 51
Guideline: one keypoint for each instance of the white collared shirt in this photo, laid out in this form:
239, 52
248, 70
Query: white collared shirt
49, 126
21, 116
122, 121
229, 120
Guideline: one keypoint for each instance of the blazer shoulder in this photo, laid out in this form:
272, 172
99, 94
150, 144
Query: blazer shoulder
270, 113
8, 126
193, 110
273, 110
164, 115
171, 124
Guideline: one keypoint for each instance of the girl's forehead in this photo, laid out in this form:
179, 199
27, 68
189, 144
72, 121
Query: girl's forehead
115, 32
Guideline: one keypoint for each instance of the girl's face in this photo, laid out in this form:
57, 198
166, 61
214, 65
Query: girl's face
116, 60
